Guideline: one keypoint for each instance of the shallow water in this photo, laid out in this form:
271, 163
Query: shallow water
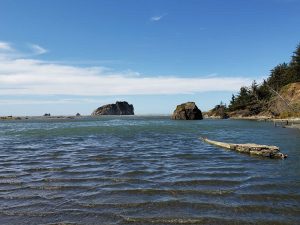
145, 170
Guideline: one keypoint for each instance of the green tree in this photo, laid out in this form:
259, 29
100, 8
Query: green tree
243, 99
295, 62
294, 70
254, 88
231, 105
256, 97
279, 76
263, 92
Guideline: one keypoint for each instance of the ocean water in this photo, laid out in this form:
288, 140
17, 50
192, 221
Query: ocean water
145, 170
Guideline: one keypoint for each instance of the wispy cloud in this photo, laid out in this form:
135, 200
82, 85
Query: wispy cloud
5, 46
37, 50
31, 77
157, 17
13, 101
9, 51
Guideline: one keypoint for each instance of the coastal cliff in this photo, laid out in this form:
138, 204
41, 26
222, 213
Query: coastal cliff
119, 108
283, 104
276, 97
287, 103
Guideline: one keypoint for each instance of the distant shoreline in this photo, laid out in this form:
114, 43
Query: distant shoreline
16, 118
285, 123
264, 118
257, 118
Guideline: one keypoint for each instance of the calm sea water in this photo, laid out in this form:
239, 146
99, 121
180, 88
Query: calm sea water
145, 170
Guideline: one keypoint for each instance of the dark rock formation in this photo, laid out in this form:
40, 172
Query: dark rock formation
120, 108
187, 111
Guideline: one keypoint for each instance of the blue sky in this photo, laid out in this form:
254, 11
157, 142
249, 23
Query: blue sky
65, 57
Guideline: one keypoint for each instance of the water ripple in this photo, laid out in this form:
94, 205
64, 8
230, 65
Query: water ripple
145, 170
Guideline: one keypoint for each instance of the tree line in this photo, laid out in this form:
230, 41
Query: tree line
254, 99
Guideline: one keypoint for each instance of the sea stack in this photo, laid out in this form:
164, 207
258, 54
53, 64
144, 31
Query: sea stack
119, 108
187, 111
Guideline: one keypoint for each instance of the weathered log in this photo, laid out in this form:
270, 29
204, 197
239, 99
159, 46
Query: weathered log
250, 148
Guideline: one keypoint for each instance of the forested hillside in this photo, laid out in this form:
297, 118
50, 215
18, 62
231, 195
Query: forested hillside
259, 99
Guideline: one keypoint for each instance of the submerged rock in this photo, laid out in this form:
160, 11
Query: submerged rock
120, 108
187, 111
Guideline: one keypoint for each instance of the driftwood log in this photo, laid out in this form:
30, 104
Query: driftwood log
252, 149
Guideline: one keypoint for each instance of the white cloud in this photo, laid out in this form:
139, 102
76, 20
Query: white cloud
8, 52
25, 76
38, 50
5, 46
15, 101
157, 18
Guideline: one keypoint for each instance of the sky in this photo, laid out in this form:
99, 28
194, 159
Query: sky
63, 57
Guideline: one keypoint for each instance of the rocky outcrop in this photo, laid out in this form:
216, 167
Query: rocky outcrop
187, 111
284, 104
218, 112
287, 103
120, 108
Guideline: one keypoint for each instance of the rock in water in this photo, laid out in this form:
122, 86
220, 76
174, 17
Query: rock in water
120, 108
187, 111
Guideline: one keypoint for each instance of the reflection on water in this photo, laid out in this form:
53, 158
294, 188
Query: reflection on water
145, 170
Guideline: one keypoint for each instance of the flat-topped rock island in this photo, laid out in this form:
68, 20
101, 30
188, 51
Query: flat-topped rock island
119, 108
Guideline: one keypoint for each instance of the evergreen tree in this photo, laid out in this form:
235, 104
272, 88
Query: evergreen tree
254, 88
263, 92
279, 76
294, 71
232, 99
231, 105
256, 97
295, 62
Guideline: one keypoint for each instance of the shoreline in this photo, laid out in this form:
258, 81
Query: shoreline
70, 117
10, 118
292, 122
266, 118
258, 118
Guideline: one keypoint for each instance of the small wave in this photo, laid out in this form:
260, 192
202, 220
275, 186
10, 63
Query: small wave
213, 220
212, 182
64, 187
179, 221
270, 197
41, 169
173, 192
